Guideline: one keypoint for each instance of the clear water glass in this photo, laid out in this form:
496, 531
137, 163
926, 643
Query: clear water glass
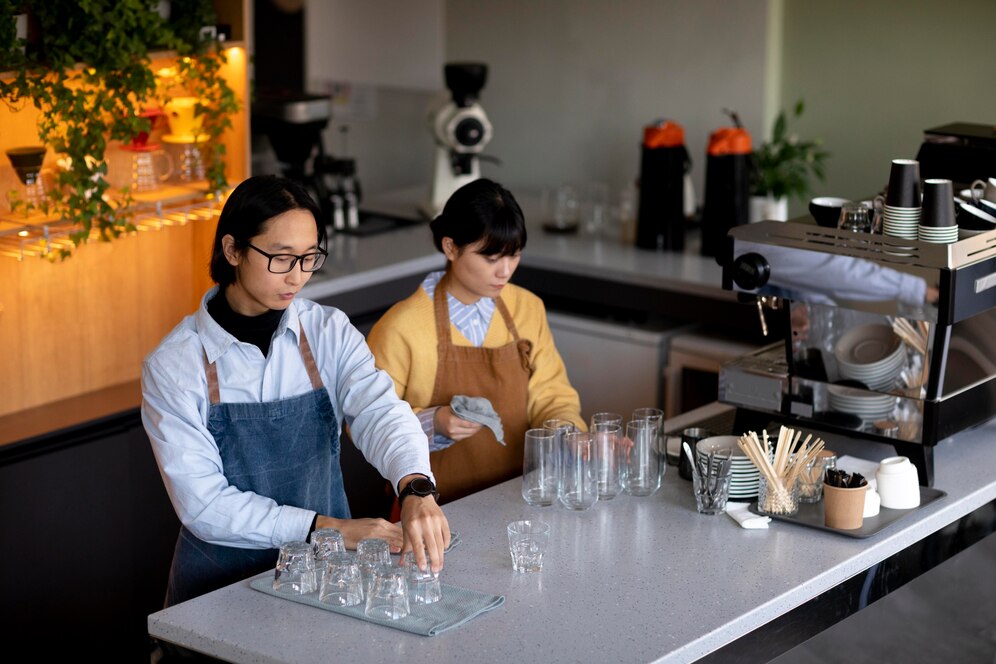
295, 571
527, 543
423, 584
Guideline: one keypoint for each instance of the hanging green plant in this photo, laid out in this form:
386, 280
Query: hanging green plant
89, 75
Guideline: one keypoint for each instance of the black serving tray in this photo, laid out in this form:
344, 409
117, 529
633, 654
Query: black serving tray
811, 515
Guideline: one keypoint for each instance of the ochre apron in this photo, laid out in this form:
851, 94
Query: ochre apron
287, 450
499, 374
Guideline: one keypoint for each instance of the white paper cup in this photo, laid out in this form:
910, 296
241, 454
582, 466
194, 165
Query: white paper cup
898, 483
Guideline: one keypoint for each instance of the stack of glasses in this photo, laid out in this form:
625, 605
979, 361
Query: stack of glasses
937, 223
901, 212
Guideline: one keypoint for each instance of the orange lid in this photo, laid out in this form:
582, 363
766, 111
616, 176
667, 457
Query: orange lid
663, 135
729, 140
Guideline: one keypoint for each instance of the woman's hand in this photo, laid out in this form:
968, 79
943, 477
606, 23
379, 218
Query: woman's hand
455, 428
426, 530
354, 530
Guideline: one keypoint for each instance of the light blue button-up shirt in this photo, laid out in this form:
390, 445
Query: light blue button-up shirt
175, 413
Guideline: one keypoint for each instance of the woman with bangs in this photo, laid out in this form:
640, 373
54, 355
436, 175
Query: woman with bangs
468, 332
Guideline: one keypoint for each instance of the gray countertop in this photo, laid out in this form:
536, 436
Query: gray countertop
631, 580
356, 262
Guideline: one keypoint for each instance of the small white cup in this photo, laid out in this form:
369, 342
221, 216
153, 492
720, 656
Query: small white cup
898, 483
872, 503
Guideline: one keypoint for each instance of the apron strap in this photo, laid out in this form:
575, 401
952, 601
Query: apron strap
214, 393
442, 309
212, 377
309, 361
507, 316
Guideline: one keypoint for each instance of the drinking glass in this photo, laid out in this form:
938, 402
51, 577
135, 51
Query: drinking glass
855, 217
578, 472
811, 480
342, 582
295, 571
610, 457
325, 542
642, 468
777, 499
527, 542
370, 554
711, 491
423, 585
540, 467
388, 596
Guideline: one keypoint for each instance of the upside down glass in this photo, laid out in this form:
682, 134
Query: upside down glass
423, 584
295, 571
342, 582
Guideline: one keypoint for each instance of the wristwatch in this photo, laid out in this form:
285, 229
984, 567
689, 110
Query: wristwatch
420, 486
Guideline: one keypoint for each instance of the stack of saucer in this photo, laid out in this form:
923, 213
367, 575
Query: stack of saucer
872, 355
901, 212
744, 475
869, 407
937, 223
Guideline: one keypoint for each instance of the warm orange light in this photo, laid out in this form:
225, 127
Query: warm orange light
24, 233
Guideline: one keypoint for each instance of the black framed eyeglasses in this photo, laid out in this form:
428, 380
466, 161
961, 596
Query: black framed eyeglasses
284, 263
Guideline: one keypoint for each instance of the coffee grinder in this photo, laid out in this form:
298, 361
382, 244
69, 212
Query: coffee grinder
461, 130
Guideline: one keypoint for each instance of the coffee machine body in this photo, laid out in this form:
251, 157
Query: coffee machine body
887, 340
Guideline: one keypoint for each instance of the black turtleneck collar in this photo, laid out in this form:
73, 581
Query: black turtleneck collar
256, 330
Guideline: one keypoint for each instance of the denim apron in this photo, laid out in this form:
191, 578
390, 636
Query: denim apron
287, 450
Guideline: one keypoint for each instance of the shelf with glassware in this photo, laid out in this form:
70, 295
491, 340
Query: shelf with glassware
156, 177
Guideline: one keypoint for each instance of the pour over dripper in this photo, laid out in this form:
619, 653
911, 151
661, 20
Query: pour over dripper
27, 162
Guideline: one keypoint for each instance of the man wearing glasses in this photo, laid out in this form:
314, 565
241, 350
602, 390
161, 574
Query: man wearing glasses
244, 403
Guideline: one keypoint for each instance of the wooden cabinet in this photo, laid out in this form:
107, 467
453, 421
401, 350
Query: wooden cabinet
74, 326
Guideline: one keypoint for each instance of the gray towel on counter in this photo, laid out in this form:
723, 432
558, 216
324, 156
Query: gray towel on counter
480, 410
457, 606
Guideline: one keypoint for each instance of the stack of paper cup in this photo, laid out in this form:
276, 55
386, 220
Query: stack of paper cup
901, 212
937, 222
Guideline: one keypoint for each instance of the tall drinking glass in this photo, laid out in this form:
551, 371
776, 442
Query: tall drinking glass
540, 467
610, 456
643, 468
578, 472
560, 429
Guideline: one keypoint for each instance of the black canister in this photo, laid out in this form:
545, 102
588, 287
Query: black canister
691, 437
727, 187
663, 163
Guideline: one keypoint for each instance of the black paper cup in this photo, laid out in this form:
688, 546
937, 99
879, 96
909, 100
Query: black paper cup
938, 204
904, 184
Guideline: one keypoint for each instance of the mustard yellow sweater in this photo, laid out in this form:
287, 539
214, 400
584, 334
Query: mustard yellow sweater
404, 345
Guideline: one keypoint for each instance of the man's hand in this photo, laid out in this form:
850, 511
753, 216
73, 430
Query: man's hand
354, 530
453, 427
425, 528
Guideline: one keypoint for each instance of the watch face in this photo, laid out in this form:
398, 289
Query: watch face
421, 486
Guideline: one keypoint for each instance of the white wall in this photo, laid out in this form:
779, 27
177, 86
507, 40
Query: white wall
382, 60
573, 82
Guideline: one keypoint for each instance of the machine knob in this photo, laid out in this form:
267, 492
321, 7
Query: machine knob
469, 132
751, 271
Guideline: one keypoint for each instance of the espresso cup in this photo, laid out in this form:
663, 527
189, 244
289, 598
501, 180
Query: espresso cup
984, 190
898, 483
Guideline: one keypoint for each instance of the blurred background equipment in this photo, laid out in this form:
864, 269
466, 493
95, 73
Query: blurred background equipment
461, 130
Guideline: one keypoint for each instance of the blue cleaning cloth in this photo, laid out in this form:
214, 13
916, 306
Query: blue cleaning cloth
480, 410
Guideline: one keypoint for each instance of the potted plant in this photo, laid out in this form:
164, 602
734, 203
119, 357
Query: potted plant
90, 78
783, 168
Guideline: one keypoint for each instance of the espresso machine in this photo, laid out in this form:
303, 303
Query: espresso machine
461, 130
887, 340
